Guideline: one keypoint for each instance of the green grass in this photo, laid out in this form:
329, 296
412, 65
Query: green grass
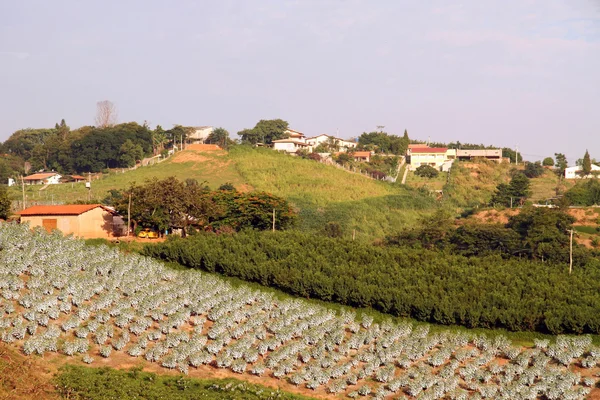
436, 183
544, 187
215, 168
323, 193
590, 230
76, 382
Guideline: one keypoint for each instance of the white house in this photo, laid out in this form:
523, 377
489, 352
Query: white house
290, 145
200, 134
43, 178
437, 157
575, 172
342, 144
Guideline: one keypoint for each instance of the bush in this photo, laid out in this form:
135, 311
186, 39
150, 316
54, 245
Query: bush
427, 285
426, 171
548, 162
533, 170
333, 230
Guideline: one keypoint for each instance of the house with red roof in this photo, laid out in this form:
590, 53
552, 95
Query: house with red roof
43, 178
87, 221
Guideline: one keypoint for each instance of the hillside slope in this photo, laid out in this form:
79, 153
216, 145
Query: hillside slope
325, 194
320, 193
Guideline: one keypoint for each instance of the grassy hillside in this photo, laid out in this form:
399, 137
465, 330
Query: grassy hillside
320, 193
324, 194
214, 167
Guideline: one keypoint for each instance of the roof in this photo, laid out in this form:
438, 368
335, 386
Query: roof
417, 145
77, 177
429, 150
579, 168
362, 154
290, 141
40, 176
67, 209
479, 153
291, 131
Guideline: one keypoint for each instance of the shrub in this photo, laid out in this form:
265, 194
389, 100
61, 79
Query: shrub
426, 171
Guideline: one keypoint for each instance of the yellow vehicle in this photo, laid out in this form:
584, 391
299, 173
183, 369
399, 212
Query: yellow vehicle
148, 233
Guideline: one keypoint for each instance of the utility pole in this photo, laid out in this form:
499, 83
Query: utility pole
129, 215
23, 187
273, 220
571, 253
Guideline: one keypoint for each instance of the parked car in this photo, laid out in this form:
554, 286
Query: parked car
148, 233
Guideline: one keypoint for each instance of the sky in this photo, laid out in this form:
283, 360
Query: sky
511, 73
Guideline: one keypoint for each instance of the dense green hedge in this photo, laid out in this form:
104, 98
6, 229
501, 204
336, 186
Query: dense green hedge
84, 383
424, 284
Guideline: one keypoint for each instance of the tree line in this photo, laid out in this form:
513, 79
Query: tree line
190, 206
426, 284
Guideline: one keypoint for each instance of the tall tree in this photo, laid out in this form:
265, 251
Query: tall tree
106, 114
548, 162
219, 136
265, 131
586, 165
561, 164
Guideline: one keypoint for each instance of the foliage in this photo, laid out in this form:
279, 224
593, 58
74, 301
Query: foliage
130, 153
586, 165
333, 230
426, 171
383, 142
5, 203
561, 164
533, 169
265, 131
170, 203
79, 383
517, 190
548, 162
227, 186
322, 193
584, 193
219, 136
534, 233
254, 210
427, 285
118, 305
512, 155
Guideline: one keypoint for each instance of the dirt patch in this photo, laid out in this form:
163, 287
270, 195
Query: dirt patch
24, 378
582, 216
189, 156
203, 147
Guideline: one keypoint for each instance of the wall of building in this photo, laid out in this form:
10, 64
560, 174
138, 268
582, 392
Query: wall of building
96, 223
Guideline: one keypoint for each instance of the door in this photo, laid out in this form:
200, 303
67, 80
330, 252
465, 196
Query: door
49, 224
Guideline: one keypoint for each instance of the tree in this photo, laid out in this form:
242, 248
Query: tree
533, 170
561, 164
517, 189
426, 171
5, 203
265, 131
586, 165
219, 136
106, 114
548, 162
159, 139
130, 153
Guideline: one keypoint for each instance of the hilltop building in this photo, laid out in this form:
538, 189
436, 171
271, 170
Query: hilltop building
575, 172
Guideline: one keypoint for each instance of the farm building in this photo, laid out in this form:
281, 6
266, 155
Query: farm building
43, 178
437, 157
82, 220
488, 154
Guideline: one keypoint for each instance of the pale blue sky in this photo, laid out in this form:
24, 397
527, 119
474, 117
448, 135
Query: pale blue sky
502, 72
